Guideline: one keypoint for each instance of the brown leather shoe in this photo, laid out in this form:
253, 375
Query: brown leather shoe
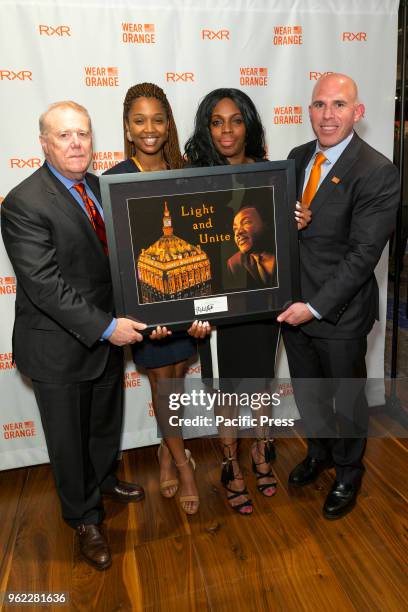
125, 492
93, 546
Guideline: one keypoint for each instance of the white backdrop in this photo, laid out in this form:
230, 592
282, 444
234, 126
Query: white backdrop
93, 51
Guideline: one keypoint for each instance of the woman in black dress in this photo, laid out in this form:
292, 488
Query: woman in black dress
151, 143
228, 130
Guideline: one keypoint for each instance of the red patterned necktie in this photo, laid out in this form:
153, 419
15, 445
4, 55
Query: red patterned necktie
94, 215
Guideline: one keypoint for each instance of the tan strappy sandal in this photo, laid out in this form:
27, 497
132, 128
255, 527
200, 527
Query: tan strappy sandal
166, 486
185, 499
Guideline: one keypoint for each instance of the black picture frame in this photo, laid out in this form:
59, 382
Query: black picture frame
172, 273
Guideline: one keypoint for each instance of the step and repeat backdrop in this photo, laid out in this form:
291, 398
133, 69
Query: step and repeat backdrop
92, 52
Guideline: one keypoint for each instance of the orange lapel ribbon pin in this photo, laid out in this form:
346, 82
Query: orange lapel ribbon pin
335, 180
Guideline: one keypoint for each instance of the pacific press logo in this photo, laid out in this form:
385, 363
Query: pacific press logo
138, 33
103, 160
253, 77
8, 285
288, 115
287, 35
101, 76
21, 429
59, 31
132, 379
15, 75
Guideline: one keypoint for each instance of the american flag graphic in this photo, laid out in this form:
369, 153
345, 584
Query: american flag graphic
29, 424
149, 27
112, 71
9, 280
297, 110
297, 29
117, 155
263, 71
133, 374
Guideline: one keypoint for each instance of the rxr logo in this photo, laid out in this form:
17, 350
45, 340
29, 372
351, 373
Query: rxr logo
211, 35
179, 76
355, 36
10, 75
314, 76
33, 162
61, 30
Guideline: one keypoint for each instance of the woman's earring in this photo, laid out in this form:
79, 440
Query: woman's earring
128, 136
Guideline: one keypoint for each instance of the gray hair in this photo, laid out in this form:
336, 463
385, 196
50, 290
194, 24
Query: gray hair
62, 104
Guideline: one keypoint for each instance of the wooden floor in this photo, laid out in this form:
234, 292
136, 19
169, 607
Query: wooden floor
284, 557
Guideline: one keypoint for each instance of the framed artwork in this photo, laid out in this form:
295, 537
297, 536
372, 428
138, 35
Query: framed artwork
217, 244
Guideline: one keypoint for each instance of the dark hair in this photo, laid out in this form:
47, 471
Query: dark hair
264, 210
200, 150
171, 149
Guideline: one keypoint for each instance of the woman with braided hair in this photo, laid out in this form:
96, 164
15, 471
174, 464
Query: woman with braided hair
149, 132
151, 143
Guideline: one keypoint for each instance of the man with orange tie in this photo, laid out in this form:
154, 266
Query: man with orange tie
353, 193
65, 337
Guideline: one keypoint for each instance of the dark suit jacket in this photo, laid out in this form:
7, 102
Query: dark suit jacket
64, 294
243, 273
353, 217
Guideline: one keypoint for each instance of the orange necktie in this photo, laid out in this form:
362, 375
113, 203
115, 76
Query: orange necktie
313, 182
94, 215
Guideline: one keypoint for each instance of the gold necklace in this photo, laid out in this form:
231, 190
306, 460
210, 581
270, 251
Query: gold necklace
139, 165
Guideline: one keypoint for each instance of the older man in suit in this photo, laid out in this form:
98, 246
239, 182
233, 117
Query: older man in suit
65, 337
353, 193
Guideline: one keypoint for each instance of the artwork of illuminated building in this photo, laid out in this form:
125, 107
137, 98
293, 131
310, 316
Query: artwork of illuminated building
171, 268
